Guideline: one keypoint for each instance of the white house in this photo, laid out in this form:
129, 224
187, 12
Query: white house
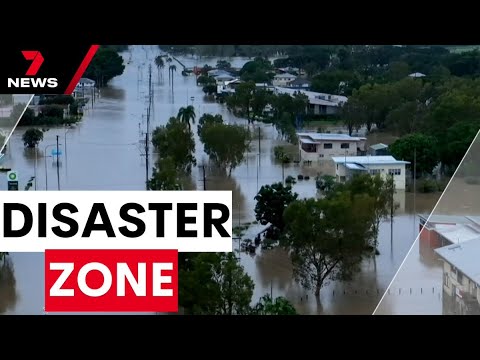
318, 103
461, 271
223, 78
283, 79
318, 146
228, 86
347, 166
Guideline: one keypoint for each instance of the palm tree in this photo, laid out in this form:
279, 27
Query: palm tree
171, 69
160, 64
187, 114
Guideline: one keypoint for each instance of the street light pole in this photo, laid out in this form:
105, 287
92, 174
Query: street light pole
46, 172
35, 165
58, 166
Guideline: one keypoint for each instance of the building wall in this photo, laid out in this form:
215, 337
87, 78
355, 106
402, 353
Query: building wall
323, 109
282, 81
326, 154
383, 170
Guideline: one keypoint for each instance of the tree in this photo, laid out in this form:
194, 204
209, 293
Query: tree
417, 147
171, 69
225, 144
398, 70
28, 116
456, 143
175, 140
325, 183
187, 115
407, 118
105, 65
353, 115
277, 306
381, 193
32, 137
159, 63
208, 119
327, 238
242, 99
215, 284
165, 176
8, 288
272, 200
223, 65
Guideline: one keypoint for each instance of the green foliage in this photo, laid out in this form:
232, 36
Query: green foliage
223, 65
214, 284
105, 65
32, 137
187, 115
277, 306
165, 176
272, 200
417, 147
225, 144
208, 119
325, 183
54, 111
427, 186
57, 100
206, 80
175, 140
241, 101
259, 70
328, 238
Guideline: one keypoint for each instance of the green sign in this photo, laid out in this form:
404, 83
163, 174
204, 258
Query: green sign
12, 177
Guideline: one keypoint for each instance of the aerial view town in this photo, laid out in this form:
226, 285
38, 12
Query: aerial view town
336, 157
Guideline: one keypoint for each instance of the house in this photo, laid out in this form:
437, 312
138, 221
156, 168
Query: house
228, 87
218, 72
318, 103
443, 230
318, 146
223, 78
299, 83
378, 150
347, 166
461, 274
283, 79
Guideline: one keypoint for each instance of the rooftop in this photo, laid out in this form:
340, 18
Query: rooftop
285, 75
448, 219
379, 146
332, 100
86, 81
457, 234
464, 257
368, 160
417, 75
299, 81
317, 137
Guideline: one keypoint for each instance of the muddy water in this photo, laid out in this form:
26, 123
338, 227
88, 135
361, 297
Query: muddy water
103, 153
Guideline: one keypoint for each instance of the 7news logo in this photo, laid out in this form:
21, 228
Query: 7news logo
31, 81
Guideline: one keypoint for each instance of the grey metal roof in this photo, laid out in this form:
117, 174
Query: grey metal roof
379, 146
465, 257
368, 160
331, 137
445, 219
353, 166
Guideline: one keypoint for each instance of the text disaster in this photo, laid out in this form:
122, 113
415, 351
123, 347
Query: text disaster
114, 251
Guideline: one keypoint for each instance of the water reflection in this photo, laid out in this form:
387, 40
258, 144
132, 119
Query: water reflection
8, 288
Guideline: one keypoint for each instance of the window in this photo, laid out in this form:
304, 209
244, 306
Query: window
460, 277
374, 171
328, 146
394, 171
445, 277
320, 155
345, 146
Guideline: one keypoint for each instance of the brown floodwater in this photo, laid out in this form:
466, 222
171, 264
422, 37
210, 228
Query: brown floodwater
102, 152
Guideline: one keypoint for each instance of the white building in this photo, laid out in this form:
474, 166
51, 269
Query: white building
318, 103
347, 166
283, 79
318, 146
461, 270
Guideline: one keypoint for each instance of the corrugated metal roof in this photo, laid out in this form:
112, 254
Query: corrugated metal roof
379, 146
465, 257
369, 160
326, 136
353, 166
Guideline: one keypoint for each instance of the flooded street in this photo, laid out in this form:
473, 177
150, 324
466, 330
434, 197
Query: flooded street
103, 152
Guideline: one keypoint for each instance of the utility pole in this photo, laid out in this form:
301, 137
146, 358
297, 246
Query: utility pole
58, 166
147, 133
259, 137
204, 179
